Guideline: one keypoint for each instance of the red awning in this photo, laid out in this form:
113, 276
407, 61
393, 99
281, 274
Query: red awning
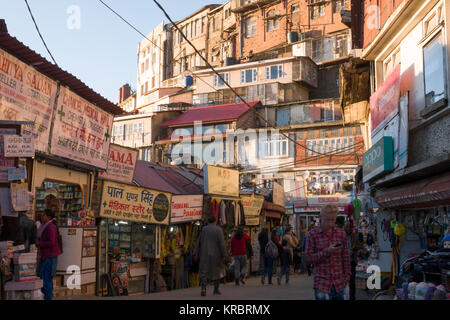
430, 192
224, 112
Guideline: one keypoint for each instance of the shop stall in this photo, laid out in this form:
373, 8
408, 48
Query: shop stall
130, 233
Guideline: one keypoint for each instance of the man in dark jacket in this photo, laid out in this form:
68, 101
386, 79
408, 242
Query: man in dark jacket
211, 253
263, 238
355, 247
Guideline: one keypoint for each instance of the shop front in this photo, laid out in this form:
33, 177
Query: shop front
130, 221
307, 211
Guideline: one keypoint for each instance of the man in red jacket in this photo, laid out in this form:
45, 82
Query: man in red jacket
49, 251
239, 252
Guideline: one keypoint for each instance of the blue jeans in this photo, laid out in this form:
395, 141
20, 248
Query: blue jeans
47, 270
333, 295
268, 268
284, 271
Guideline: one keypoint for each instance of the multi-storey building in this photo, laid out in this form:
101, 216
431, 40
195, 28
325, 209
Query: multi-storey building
154, 64
407, 167
127, 99
222, 36
185, 60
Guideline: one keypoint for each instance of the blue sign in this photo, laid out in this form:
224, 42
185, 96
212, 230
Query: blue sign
19, 173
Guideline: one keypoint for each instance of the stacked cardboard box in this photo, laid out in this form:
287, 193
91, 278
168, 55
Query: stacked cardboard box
25, 267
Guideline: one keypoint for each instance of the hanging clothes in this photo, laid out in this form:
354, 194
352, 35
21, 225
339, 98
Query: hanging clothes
242, 213
214, 210
229, 213
223, 209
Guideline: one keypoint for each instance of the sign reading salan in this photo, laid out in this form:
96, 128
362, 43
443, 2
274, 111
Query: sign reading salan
26, 95
379, 159
125, 202
221, 181
121, 164
186, 208
81, 131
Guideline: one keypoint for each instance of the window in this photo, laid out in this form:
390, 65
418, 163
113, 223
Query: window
434, 73
317, 11
274, 72
358, 131
348, 131
275, 146
317, 49
340, 46
324, 133
335, 132
311, 134
221, 128
250, 27
340, 5
248, 76
322, 10
218, 81
146, 87
283, 117
203, 25
272, 23
391, 63
216, 23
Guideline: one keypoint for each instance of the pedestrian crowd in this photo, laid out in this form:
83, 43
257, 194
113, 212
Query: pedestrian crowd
329, 251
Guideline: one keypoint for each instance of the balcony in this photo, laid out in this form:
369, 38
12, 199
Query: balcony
305, 72
239, 6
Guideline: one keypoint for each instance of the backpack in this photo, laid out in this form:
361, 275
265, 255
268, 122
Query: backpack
271, 249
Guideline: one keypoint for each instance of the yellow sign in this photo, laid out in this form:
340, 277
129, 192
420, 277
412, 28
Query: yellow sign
125, 202
221, 181
252, 205
251, 221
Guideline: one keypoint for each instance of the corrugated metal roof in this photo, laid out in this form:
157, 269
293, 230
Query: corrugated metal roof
28, 56
173, 179
223, 112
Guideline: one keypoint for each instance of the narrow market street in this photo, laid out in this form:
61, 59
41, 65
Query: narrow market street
299, 288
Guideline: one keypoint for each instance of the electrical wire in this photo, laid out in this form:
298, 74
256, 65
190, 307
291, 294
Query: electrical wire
39, 32
222, 79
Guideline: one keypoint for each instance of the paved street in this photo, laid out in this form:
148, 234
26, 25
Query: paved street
300, 288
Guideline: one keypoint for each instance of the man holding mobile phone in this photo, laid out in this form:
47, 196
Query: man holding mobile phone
328, 251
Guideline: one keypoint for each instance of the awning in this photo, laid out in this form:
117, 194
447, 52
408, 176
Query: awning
272, 214
430, 192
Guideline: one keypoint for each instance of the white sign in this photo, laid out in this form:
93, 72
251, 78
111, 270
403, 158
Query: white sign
82, 131
186, 208
121, 164
19, 146
312, 201
26, 95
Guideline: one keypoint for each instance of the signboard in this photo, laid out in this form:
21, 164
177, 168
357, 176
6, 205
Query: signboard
125, 202
81, 131
5, 163
278, 194
252, 221
252, 205
17, 173
221, 181
384, 102
390, 130
403, 137
379, 159
186, 208
26, 95
121, 164
20, 197
19, 146
319, 201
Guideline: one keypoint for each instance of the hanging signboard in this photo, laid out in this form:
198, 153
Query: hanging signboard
5, 163
26, 95
20, 197
403, 132
121, 164
19, 173
81, 131
384, 102
125, 202
252, 221
19, 146
221, 181
278, 194
379, 159
252, 205
186, 208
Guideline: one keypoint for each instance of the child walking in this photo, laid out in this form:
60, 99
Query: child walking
285, 260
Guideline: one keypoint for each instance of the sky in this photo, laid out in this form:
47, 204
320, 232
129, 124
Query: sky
88, 40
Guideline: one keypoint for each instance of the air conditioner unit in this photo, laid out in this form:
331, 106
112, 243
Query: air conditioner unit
302, 49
